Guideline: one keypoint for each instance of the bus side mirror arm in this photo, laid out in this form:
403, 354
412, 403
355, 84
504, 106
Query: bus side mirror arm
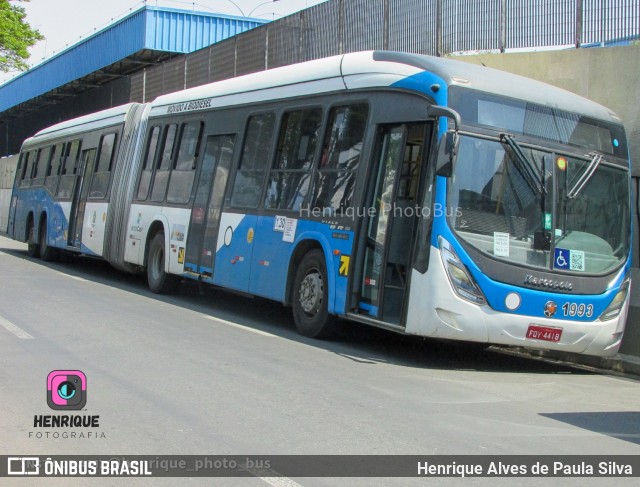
449, 143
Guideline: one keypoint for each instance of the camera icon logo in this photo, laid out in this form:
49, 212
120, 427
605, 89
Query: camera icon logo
66, 389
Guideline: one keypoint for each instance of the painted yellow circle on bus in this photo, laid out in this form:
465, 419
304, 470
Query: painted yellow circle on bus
250, 234
562, 163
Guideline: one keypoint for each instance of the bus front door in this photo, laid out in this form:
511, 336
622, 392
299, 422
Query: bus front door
79, 201
391, 229
205, 217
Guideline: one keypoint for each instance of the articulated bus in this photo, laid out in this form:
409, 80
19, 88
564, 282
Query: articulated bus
422, 195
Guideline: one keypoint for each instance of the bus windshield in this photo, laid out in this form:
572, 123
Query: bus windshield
540, 208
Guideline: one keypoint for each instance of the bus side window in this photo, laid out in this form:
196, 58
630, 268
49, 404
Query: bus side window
340, 157
41, 166
163, 169
247, 187
147, 169
56, 156
53, 168
183, 174
32, 155
100, 180
296, 149
69, 164
24, 169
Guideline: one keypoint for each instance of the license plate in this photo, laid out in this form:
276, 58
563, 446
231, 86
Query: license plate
546, 333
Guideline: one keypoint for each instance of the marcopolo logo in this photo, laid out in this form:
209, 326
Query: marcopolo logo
66, 390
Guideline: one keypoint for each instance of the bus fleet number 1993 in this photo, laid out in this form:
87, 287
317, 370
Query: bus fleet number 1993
579, 310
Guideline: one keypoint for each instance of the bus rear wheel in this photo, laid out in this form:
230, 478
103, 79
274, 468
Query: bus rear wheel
33, 247
158, 280
46, 253
310, 298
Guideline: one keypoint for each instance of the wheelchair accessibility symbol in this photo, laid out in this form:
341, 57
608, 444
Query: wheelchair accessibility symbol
561, 258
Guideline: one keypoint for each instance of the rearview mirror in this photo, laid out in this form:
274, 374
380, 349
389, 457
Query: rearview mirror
449, 142
447, 153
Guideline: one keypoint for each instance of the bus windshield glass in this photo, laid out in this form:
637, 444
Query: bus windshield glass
543, 122
540, 208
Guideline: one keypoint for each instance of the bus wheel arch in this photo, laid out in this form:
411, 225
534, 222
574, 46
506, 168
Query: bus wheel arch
309, 293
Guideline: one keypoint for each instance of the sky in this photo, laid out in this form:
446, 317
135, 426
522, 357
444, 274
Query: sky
65, 22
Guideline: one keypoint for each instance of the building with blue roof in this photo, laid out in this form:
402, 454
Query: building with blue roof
92, 74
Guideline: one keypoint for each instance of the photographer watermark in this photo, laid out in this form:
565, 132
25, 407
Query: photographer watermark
384, 211
66, 391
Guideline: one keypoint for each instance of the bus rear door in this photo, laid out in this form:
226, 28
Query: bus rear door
79, 200
205, 216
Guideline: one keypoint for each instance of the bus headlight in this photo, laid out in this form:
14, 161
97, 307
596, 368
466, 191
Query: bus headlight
461, 281
613, 310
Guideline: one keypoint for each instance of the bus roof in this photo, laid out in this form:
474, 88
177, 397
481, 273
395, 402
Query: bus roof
336, 73
308, 78
104, 118
373, 69
503, 83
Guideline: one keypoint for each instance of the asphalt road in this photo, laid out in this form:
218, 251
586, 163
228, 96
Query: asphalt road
215, 373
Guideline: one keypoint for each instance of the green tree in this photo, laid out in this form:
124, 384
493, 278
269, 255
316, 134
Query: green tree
16, 36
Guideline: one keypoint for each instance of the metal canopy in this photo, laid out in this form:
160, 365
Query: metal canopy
146, 37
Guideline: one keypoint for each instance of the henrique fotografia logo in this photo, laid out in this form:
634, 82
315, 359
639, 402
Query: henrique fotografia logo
66, 389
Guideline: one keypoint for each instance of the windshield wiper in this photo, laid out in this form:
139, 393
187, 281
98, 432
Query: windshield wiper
596, 159
530, 173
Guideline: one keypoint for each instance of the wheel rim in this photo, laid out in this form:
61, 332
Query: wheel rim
311, 292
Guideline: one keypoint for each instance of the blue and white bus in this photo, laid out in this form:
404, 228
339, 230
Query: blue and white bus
418, 194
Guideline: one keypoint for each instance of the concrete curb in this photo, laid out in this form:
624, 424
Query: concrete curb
619, 365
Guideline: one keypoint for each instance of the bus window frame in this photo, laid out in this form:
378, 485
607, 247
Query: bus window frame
104, 195
52, 180
149, 165
276, 152
194, 164
276, 111
160, 158
317, 171
40, 163
69, 176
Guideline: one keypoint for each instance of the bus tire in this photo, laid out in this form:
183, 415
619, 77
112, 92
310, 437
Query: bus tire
158, 280
47, 253
33, 247
310, 298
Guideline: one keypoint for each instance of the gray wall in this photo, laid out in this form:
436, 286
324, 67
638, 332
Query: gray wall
7, 175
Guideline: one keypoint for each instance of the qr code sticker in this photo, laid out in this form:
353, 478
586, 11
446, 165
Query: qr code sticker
577, 260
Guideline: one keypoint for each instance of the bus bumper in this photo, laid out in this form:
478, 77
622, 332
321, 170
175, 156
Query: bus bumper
436, 311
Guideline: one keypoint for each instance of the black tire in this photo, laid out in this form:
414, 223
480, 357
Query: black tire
33, 247
157, 279
310, 298
47, 253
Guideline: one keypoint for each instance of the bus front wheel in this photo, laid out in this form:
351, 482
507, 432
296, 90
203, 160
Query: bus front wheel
157, 278
310, 298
